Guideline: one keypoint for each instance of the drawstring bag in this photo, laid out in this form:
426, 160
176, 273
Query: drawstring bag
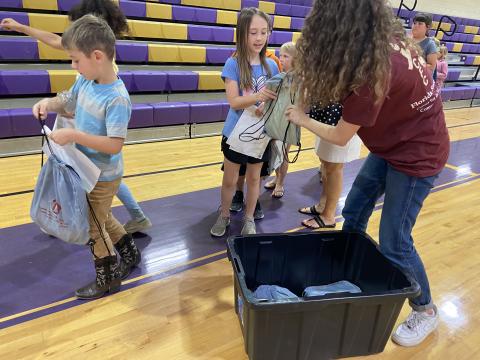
276, 124
59, 205
248, 136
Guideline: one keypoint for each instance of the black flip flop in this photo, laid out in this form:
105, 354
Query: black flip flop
320, 223
312, 210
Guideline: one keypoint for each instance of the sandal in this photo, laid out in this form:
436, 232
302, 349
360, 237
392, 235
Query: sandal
312, 210
320, 223
270, 185
278, 193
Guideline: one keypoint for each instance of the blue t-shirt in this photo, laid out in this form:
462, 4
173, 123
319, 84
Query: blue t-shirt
259, 77
102, 109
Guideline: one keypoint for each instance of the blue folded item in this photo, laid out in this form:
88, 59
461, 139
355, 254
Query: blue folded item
337, 287
274, 292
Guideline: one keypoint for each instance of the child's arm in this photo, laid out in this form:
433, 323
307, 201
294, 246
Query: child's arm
442, 70
43, 107
104, 144
238, 102
51, 39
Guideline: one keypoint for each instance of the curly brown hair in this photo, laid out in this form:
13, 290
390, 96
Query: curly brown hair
106, 9
345, 44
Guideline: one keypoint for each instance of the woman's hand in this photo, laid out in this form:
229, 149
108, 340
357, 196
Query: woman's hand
296, 115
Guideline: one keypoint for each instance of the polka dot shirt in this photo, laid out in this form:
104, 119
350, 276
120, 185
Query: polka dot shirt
329, 115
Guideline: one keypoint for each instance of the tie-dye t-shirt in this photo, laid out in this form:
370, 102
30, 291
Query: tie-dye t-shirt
259, 77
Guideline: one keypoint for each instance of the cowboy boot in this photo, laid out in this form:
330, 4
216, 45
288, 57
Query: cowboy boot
106, 281
129, 254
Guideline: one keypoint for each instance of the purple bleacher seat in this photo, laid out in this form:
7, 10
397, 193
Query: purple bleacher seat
404, 13
218, 55
131, 52
22, 18
283, 9
18, 4
296, 2
127, 78
24, 124
297, 23
182, 81
222, 35
446, 94
176, 2
200, 33
133, 8
24, 82
149, 81
18, 48
463, 37
467, 48
477, 93
225, 106
208, 16
457, 93
66, 5
5, 124
280, 37
460, 28
171, 113
469, 93
297, 10
249, 3
453, 75
142, 116
449, 46
308, 3
183, 13
206, 112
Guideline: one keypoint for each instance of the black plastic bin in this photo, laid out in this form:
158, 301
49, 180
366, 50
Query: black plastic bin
324, 327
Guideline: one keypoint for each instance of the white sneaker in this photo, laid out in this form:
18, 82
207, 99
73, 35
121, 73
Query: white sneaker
248, 227
415, 328
133, 226
220, 227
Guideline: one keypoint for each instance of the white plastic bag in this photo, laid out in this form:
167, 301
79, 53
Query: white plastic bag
248, 136
70, 155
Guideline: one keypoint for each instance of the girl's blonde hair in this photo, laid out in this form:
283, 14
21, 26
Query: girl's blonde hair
242, 53
443, 51
289, 48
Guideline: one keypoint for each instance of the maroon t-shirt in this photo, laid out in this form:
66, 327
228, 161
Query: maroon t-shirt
407, 128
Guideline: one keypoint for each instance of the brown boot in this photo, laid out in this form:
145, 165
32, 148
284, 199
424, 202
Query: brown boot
129, 254
107, 280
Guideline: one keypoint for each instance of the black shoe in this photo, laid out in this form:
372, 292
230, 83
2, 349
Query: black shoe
107, 280
129, 255
258, 213
237, 202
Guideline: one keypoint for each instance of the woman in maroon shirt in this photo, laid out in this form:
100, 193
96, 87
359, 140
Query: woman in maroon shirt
389, 99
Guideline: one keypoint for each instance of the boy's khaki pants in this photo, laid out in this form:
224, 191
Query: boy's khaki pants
101, 198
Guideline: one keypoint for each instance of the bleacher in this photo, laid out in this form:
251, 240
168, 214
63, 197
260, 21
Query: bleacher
171, 63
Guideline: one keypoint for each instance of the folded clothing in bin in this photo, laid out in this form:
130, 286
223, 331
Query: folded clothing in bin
336, 287
274, 292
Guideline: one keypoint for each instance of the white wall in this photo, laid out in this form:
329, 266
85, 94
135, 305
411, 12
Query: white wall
463, 8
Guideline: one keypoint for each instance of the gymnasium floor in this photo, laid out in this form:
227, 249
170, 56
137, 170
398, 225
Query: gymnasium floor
179, 303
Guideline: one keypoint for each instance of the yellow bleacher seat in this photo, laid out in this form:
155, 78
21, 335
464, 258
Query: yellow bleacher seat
40, 4
266, 6
210, 80
471, 29
232, 4
46, 52
61, 79
477, 60
296, 36
457, 47
48, 22
476, 39
282, 22
439, 35
159, 11
226, 17
193, 54
146, 29
174, 31
163, 53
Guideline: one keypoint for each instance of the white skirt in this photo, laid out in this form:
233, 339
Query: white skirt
338, 154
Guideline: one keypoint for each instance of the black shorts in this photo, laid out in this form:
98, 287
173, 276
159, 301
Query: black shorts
243, 160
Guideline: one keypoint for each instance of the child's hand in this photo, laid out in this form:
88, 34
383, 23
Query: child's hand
259, 109
40, 109
265, 94
10, 25
63, 136
296, 115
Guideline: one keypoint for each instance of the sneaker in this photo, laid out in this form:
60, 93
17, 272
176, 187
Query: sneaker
133, 226
237, 202
258, 213
220, 226
416, 328
249, 227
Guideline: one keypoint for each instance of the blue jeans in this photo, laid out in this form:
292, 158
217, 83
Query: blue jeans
404, 196
129, 202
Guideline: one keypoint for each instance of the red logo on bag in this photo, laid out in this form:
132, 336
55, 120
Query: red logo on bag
56, 208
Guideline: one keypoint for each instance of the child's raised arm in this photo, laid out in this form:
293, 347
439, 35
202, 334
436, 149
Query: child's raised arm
238, 102
51, 39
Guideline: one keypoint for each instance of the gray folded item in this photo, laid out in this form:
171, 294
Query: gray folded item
337, 287
274, 292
